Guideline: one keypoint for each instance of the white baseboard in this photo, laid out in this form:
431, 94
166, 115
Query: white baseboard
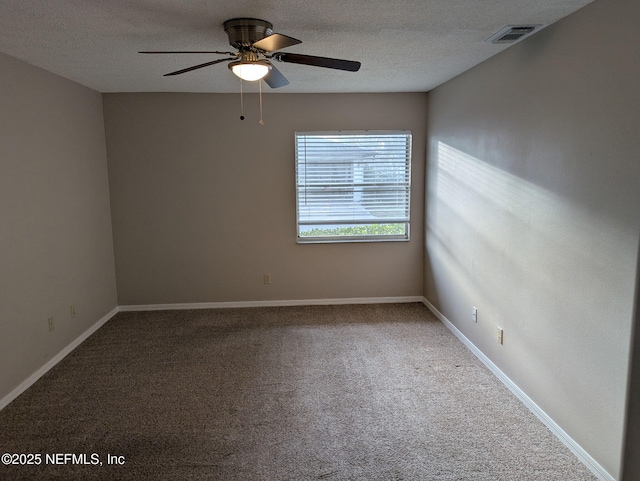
567, 440
54, 360
276, 303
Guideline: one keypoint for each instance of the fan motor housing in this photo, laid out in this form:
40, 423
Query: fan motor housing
243, 32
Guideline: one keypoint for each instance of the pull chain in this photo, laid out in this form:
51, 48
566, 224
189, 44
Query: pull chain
241, 102
261, 122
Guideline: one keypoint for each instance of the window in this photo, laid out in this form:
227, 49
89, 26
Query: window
353, 186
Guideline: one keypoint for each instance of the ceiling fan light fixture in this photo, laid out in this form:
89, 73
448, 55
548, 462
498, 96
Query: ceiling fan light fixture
250, 70
256, 42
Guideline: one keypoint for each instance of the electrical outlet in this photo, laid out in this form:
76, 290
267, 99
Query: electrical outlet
266, 278
500, 336
51, 325
73, 311
474, 314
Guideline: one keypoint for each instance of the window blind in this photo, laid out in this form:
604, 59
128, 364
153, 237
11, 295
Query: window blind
353, 185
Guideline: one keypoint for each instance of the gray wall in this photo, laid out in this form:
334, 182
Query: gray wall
56, 245
204, 203
631, 462
533, 214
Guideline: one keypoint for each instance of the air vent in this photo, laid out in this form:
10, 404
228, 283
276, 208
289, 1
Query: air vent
512, 33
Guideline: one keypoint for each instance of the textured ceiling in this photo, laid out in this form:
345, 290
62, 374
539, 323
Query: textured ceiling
404, 45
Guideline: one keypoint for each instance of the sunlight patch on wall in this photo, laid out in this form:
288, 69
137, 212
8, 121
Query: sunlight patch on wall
522, 225
538, 264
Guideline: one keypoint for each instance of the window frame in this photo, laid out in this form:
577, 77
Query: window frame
406, 186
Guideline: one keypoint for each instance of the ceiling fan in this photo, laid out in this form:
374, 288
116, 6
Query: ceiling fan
257, 44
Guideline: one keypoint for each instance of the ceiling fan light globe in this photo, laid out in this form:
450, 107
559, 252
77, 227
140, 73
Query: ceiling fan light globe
250, 71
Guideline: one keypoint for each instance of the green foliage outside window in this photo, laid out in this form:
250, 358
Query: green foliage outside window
375, 229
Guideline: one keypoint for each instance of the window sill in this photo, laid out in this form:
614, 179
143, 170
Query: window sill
350, 239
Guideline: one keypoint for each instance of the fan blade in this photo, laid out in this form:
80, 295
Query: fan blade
189, 51
275, 41
275, 79
195, 67
348, 65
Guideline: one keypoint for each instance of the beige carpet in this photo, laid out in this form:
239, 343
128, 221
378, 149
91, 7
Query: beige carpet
363, 392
